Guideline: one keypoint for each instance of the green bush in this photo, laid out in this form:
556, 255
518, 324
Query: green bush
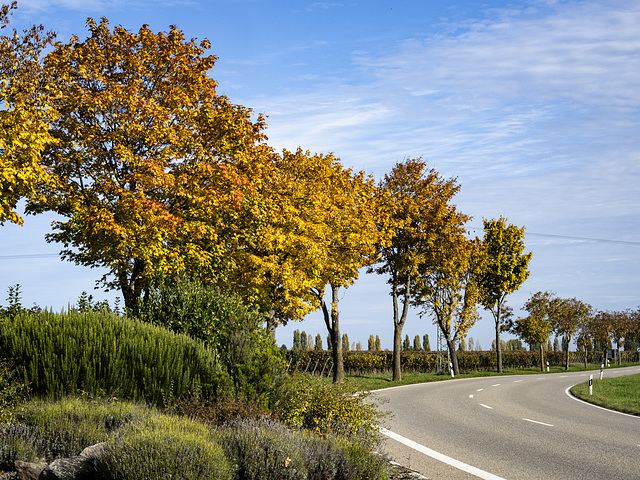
249, 359
165, 447
101, 353
307, 402
12, 391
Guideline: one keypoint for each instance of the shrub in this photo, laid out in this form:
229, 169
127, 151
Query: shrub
12, 391
101, 353
248, 358
308, 402
165, 447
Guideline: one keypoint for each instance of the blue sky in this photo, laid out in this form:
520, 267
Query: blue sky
532, 105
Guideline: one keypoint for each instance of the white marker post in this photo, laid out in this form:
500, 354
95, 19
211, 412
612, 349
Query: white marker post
601, 371
590, 384
547, 366
451, 368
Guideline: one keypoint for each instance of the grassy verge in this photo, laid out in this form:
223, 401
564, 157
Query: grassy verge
621, 393
377, 381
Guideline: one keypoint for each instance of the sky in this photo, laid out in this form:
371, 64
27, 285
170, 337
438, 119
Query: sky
532, 105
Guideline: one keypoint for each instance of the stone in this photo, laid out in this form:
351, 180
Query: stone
28, 470
81, 467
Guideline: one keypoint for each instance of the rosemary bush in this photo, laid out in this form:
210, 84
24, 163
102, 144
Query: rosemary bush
102, 353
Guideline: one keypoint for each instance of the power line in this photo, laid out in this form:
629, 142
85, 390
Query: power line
569, 237
28, 255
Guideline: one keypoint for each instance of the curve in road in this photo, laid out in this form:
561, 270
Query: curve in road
510, 427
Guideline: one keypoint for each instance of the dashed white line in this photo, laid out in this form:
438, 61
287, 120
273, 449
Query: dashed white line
471, 396
539, 423
496, 385
440, 457
479, 390
517, 381
486, 406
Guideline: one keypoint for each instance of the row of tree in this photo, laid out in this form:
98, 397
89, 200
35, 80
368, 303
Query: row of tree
155, 175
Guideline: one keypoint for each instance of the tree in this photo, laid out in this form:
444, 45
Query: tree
416, 344
504, 269
303, 341
416, 202
446, 285
425, 343
345, 342
297, 345
471, 344
318, 345
371, 343
406, 344
25, 116
378, 344
568, 315
537, 326
310, 344
462, 346
156, 170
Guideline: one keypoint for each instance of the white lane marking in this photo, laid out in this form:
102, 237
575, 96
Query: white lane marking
496, 385
486, 406
564, 376
440, 457
517, 381
539, 423
479, 390
471, 396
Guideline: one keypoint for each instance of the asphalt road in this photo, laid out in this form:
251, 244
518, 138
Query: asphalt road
509, 427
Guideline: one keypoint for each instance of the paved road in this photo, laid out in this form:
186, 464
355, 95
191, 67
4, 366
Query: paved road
510, 427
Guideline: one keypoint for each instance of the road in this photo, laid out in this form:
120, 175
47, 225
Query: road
509, 427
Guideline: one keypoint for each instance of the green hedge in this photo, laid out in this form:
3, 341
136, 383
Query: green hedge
100, 353
366, 362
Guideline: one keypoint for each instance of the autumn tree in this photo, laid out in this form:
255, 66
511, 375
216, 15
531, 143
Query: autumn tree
318, 343
504, 269
378, 346
568, 315
417, 203
425, 343
156, 169
25, 116
538, 325
446, 287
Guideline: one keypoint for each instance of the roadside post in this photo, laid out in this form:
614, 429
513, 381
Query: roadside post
590, 384
601, 371
451, 368
547, 366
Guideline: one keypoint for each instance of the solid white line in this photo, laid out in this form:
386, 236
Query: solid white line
539, 423
440, 457
568, 393
496, 385
486, 406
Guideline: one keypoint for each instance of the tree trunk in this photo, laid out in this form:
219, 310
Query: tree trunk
271, 325
498, 347
453, 354
566, 358
585, 357
542, 357
398, 324
332, 321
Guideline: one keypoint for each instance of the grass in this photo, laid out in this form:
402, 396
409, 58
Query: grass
378, 381
621, 393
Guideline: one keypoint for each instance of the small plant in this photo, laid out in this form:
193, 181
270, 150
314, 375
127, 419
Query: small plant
307, 402
12, 391
165, 447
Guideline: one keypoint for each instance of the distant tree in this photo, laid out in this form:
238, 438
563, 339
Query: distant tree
345, 343
425, 343
568, 315
406, 345
416, 344
462, 345
537, 326
556, 345
297, 345
471, 344
358, 347
310, 344
505, 268
378, 345
318, 343
371, 343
